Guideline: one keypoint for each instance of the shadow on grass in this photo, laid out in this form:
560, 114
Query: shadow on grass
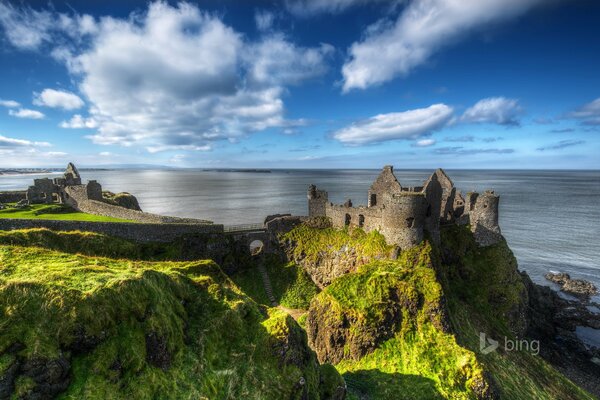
375, 384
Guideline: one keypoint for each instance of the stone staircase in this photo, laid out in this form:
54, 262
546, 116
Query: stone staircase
267, 284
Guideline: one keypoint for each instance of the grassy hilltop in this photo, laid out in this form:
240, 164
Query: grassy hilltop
57, 212
84, 315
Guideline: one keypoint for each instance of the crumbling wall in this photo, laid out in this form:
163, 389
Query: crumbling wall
484, 218
317, 202
13, 196
433, 194
367, 218
386, 182
133, 231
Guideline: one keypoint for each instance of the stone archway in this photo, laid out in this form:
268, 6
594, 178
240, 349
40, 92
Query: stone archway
256, 247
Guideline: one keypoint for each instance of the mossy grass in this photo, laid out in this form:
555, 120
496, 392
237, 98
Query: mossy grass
58, 212
211, 340
419, 351
91, 244
484, 289
291, 285
310, 242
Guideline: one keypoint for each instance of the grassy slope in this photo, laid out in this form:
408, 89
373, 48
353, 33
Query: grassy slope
482, 287
310, 243
54, 212
218, 344
292, 287
419, 361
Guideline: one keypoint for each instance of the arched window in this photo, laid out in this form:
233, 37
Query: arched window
361, 220
348, 219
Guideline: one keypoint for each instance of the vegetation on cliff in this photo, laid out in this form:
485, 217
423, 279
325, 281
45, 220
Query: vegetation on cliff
389, 332
409, 328
80, 326
291, 285
486, 293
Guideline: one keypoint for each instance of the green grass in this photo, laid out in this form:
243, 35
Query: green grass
292, 287
485, 294
57, 212
310, 243
419, 361
217, 343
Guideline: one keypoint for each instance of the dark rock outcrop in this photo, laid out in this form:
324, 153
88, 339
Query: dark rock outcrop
553, 321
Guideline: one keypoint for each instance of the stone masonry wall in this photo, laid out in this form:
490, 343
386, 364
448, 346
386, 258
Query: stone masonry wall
78, 199
131, 231
13, 196
371, 216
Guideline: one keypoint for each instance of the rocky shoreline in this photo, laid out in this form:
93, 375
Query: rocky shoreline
554, 320
577, 287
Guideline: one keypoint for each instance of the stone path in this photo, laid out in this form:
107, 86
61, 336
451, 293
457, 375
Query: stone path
267, 284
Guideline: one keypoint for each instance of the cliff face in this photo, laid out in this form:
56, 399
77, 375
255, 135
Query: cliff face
327, 253
409, 327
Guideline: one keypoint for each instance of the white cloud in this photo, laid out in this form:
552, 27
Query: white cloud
79, 122
393, 126
27, 29
58, 99
390, 49
424, 143
306, 8
496, 110
276, 61
176, 78
26, 113
264, 20
11, 142
9, 103
589, 113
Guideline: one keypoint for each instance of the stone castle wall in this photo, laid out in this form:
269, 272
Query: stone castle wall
127, 230
367, 218
483, 217
403, 219
78, 197
404, 214
13, 196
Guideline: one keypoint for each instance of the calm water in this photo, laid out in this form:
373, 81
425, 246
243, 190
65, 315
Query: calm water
551, 219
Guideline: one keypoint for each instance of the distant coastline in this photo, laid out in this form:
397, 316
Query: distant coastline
259, 171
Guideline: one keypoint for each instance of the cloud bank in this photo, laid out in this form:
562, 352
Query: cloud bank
394, 48
169, 78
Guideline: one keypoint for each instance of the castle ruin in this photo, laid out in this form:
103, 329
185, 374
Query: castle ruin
62, 190
405, 214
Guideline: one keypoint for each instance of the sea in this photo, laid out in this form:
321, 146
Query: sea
551, 219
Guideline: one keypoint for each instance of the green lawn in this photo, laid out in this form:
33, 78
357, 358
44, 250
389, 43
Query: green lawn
54, 212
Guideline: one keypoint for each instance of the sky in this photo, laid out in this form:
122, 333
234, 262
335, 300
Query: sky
473, 84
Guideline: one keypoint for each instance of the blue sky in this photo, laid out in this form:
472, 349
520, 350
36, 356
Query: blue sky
301, 84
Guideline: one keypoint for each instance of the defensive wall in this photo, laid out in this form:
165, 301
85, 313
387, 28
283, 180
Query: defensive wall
139, 232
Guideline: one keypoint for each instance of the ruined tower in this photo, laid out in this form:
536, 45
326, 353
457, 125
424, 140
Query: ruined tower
483, 215
403, 218
386, 182
317, 202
